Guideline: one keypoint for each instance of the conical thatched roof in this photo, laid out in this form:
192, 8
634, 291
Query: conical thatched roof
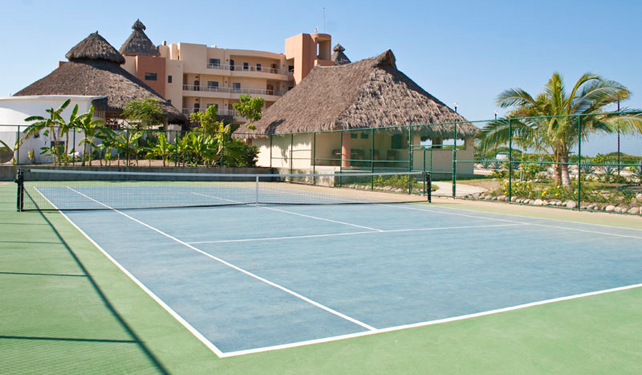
88, 74
368, 93
95, 47
138, 43
338, 57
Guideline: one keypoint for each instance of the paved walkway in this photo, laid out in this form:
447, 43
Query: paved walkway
446, 189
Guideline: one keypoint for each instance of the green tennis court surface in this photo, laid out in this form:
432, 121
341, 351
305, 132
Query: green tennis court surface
70, 310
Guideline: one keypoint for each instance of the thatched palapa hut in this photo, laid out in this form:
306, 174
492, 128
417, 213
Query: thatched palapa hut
368, 94
139, 43
94, 70
338, 57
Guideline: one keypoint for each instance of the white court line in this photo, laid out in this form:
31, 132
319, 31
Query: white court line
354, 233
248, 273
522, 222
534, 217
171, 311
431, 322
296, 213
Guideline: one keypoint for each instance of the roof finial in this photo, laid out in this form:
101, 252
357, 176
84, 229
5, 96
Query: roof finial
138, 25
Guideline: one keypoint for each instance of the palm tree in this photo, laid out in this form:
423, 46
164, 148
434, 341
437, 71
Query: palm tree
90, 128
549, 122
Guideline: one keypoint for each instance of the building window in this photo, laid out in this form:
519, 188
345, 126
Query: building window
291, 68
169, 79
236, 85
212, 84
215, 62
151, 76
231, 64
246, 66
258, 67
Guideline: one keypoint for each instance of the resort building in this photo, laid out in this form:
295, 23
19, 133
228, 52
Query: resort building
365, 115
92, 76
194, 77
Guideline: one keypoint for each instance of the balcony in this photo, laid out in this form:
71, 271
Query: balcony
232, 90
240, 68
219, 112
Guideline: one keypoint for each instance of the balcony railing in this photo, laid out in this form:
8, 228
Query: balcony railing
219, 112
250, 68
232, 90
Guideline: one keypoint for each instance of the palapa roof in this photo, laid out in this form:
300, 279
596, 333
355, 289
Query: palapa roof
95, 47
338, 57
94, 70
370, 93
138, 43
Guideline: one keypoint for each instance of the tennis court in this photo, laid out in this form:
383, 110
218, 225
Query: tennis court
260, 277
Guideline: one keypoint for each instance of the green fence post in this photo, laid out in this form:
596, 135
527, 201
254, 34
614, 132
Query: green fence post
127, 142
270, 150
18, 143
431, 147
454, 178
340, 156
291, 149
510, 161
579, 163
176, 148
73, 151
314, 158
372, 167
410, 158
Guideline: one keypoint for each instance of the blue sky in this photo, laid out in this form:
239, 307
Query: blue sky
460, 51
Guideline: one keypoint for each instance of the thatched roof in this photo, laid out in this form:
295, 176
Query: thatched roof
93, 76
138, 43
95, 47
338, 57
369, 93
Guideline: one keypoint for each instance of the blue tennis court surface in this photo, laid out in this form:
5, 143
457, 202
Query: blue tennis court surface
253, 278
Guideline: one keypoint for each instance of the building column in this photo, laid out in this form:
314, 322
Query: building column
345, 150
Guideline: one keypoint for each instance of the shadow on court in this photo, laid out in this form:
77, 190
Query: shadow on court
65, 308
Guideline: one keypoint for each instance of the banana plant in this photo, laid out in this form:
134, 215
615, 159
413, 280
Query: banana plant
90, 128
48, 126
163, 149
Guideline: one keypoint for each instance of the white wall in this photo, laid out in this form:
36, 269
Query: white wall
14, 110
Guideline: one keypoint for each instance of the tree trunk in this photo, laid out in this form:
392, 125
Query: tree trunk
566, 178
557, 174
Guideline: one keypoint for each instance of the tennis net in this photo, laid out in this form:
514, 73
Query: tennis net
56, 189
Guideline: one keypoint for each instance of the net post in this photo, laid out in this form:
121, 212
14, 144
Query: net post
428, 186
20, 180
256, 198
